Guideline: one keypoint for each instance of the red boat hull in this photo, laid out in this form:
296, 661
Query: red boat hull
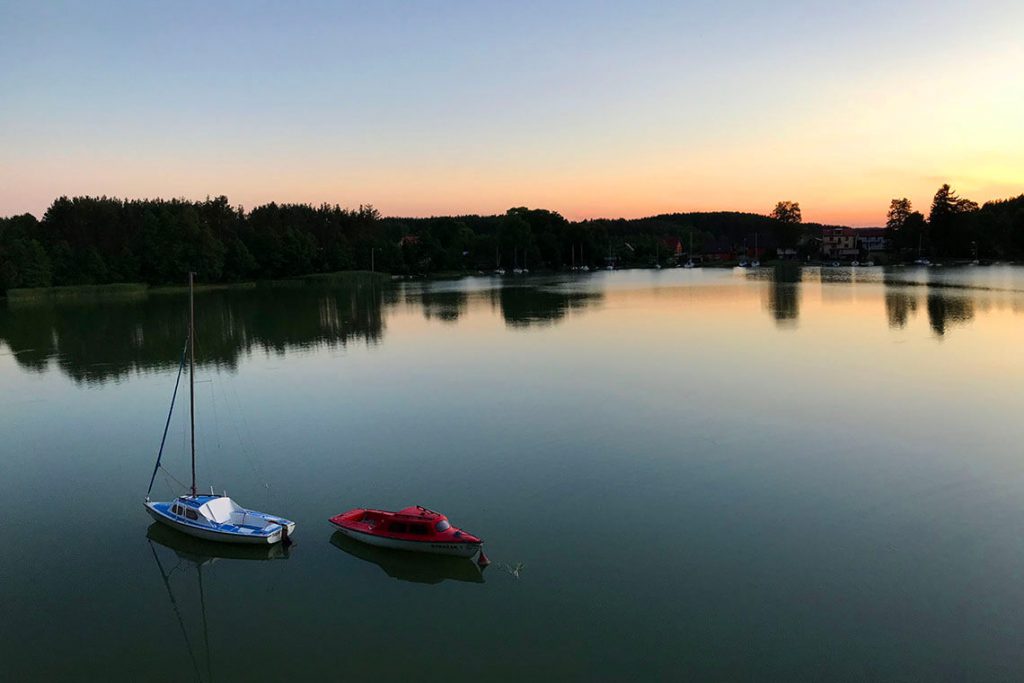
415, 529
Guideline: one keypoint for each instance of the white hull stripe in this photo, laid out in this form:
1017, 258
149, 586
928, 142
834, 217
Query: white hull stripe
434, 547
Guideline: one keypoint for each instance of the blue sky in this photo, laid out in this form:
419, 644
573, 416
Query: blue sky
588, 108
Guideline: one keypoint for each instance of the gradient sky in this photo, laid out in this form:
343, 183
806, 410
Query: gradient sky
587, 108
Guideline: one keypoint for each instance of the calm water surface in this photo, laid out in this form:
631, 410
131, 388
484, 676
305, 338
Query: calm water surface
705, 474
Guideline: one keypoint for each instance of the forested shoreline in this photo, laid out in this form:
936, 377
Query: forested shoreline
101, 240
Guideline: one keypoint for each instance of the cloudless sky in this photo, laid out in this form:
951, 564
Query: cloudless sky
587, 108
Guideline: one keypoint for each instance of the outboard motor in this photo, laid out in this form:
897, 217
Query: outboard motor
286, 540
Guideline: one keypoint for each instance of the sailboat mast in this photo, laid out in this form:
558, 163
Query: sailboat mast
192, 375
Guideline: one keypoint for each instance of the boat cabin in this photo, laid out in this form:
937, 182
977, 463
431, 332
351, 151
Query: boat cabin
412, 521
217, 511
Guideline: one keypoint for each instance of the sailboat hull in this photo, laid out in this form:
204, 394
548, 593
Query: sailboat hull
212, 534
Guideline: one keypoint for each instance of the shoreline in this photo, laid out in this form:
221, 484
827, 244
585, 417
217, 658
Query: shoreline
140, 289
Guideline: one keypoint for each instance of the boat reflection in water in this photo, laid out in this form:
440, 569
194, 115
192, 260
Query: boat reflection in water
200, 554
409, 566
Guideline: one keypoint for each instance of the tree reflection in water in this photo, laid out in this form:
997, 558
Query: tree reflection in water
523, 306
899, 305
945, 310
783, 293
946, 305
96, 339
444, 305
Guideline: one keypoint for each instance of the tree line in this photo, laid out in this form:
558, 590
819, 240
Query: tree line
99, 240
958, 227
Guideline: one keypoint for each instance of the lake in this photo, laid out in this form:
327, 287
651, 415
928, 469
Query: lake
704, 474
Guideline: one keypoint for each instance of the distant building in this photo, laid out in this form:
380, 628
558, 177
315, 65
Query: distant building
873, 240
409, 241
719, 250
674, 246
839, 242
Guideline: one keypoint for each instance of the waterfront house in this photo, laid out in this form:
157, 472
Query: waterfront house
839, 242
719, 250
873, 240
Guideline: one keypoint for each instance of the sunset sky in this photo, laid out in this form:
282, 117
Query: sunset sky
587, 108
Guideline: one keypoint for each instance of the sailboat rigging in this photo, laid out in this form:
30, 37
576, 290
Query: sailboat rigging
212, 517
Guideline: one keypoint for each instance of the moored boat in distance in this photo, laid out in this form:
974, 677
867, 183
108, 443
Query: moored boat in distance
413, 528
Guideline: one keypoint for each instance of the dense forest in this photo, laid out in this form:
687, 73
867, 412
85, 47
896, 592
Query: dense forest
957, 227
99, 240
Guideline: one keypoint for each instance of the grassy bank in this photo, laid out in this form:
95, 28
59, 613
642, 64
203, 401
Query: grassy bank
121, 289
141, 289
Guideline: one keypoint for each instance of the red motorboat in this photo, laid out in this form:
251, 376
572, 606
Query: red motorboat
415, 528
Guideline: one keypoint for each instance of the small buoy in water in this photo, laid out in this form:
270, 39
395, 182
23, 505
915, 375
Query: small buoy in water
482, 560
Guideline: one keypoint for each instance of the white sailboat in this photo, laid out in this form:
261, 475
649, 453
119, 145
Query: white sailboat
921, 261
689, 259
210, 517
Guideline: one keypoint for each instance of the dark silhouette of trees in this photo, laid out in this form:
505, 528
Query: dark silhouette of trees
23, 260
1001, 228
957, 227
788, 218
899, 212
787, 212
101, 240
951, 223
906, 227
